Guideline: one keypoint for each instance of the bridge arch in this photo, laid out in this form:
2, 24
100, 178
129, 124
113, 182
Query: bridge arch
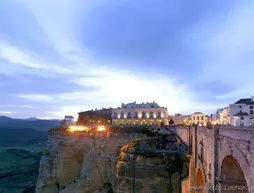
200, 182
232, 177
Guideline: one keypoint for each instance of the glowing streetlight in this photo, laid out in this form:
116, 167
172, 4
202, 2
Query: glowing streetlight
101, 128
74, 128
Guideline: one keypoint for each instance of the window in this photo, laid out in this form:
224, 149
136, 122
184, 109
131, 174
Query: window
159, 114
115, 115
151, 114
194, 118
122, 115
197, 117
251, 112
136, 114
129, 115
251, 107
202, 118
240, 106
242, 118
143, 114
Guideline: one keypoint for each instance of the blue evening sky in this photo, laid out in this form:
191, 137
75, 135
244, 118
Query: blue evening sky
63, 56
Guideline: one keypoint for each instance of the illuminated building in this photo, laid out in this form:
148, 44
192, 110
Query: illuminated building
140, 114
222, 116
180, 119
241, 113
199, 118
98, 117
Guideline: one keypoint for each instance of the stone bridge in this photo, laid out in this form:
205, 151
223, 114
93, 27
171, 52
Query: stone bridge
222, 159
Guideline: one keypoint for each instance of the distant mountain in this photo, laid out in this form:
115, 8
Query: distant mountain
36, 124
32, 119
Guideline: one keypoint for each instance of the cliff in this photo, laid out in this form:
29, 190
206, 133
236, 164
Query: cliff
108, 162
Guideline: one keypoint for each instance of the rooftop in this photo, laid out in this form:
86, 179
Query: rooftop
140, 105
240, 114
198, 113
247, 101
103, 110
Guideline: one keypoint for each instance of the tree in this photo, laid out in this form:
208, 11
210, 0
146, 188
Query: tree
171, 122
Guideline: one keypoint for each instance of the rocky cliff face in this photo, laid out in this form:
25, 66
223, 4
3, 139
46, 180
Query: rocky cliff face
85, 162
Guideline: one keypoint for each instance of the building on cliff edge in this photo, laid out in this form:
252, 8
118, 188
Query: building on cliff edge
99, 117
140, 114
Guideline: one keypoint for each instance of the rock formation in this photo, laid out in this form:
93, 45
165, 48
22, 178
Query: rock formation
108, 162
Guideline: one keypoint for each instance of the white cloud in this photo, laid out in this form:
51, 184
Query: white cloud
37, 97
6, 113
17, 56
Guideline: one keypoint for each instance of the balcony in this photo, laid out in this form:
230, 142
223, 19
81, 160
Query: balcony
143, 117
128, 117
151, 116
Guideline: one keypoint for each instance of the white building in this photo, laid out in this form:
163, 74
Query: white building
179, 119
68, 119
199, 118
222, 116
137, 114
241, 113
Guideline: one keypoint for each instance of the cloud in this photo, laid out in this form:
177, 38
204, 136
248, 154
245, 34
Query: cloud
15, 56
36, 97
188, 56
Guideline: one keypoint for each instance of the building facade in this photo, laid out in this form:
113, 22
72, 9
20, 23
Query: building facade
98, 117
180, 119
140, 114
241, 113
199, 118
222, 116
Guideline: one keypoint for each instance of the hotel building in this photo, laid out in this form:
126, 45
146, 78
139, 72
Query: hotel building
140, 114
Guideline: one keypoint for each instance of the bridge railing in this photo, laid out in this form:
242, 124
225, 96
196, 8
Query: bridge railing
243, 133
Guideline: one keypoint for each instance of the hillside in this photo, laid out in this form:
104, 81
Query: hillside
36, 124
21, 136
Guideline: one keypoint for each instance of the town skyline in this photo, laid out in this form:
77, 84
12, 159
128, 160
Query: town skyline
59, 58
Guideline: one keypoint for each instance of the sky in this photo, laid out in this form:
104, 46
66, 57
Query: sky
65, 56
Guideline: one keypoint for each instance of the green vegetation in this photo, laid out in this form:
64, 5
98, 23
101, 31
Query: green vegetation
171, 122
21, 137
21, 147
19, 167
133, 129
